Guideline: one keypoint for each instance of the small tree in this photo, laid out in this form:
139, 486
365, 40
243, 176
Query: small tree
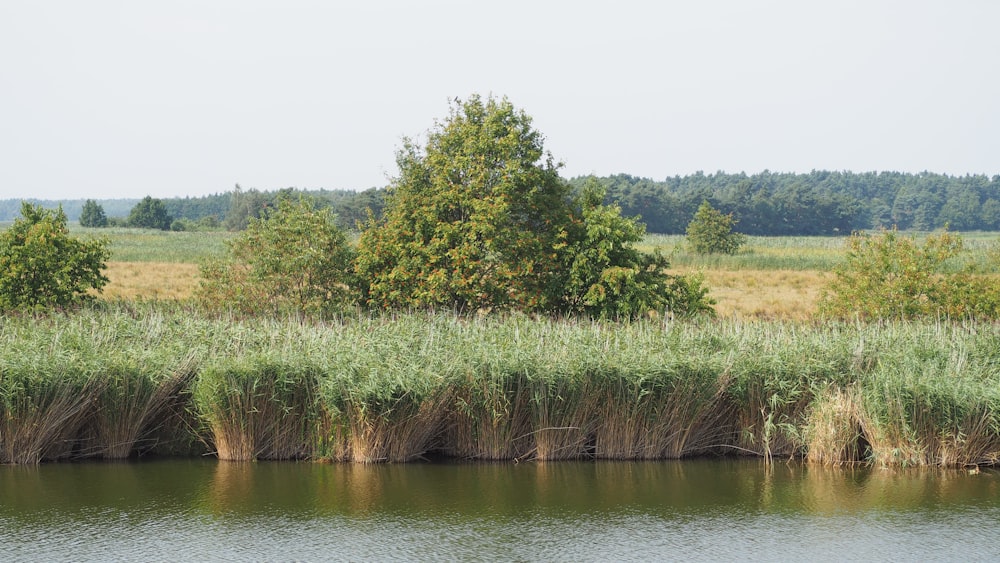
608, 277
890, 276
93, 215
150, 214
711, 232
293, 260
42, 267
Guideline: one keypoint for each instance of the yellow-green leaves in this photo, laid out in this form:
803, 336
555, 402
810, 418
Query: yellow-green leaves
43, 268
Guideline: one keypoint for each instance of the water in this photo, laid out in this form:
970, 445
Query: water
205, 510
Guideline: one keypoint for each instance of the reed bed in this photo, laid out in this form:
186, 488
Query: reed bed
123, 380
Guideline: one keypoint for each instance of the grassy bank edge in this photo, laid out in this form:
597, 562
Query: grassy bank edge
120, 381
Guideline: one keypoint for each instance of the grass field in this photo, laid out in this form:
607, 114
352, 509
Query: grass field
778, 278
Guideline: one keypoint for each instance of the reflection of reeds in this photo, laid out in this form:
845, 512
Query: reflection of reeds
394, 389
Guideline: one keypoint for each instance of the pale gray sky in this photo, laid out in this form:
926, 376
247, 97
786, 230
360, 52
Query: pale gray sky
103, 99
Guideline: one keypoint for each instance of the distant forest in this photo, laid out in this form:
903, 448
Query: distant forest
818, 203
768, 203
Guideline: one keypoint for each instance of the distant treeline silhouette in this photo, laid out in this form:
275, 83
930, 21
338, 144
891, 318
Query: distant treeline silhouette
768, 203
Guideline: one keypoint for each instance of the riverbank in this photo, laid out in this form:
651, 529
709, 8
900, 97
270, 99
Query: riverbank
124, 380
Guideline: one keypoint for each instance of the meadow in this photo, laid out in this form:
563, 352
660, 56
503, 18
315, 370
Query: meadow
780, 278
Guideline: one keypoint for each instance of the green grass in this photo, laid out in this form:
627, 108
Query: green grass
396, 388
147, 245
981, 251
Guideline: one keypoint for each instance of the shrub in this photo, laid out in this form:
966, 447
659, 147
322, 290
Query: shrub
891, 276
293, 260
607, 277
711, 232
42, 267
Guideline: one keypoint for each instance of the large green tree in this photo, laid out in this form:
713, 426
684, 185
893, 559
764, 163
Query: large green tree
42, 267
479, 220
475, 220
150, 213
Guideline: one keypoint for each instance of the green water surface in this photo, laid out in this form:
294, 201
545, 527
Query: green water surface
205, 510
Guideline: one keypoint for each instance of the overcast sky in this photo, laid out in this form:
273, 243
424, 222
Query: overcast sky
102, 99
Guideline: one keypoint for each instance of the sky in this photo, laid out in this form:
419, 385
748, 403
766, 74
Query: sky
104, 99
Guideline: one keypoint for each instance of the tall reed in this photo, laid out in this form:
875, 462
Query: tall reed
258, 406
383, 393
112, 381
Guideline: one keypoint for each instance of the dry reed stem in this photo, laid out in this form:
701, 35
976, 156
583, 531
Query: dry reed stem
833, 428
47, 431
497, 428
564, 425
407, 434
119, 426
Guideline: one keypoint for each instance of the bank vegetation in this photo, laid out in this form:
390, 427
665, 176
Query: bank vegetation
127, 380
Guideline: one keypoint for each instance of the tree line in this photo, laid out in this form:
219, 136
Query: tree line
768, 203
817, 203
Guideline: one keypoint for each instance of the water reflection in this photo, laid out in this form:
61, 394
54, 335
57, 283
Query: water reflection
202, 509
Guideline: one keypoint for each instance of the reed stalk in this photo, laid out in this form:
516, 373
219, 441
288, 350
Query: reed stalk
110, 381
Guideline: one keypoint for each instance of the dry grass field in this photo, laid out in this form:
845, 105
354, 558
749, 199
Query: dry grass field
779, 278
150, 280
765, 294
743, 294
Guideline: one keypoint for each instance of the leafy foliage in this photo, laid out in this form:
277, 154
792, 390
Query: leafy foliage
292, 260
93, 215
42, 267
608, 277
891, 276
150, 213
475, 221
479, 220
711, 232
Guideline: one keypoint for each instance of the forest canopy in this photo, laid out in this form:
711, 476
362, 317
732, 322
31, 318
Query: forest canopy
767, 203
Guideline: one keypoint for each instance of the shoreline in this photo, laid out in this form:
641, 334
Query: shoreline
117, 381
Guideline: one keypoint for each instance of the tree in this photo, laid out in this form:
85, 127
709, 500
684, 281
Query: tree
711, 232
150, 214
475, 220
42, 267
245, 206
479, 220
608, 277
93, 215
294, 259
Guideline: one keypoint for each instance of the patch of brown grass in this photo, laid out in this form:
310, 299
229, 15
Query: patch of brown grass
765, 294
150, 280
741, 294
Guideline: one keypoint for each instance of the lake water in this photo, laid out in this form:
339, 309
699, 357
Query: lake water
203, 510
